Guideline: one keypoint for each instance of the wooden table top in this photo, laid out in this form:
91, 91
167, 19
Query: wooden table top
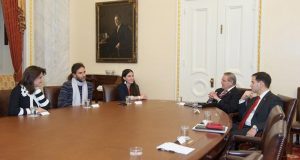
106, 132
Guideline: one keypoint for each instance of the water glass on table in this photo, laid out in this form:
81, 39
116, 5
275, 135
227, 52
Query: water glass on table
135, 153
184, 130
33, 111
129, 100
87, 103
207, 115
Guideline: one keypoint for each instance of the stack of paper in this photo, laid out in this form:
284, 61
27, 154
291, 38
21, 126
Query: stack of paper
173, 147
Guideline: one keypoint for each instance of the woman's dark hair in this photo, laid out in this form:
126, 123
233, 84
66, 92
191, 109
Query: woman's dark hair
134, 88
125, 72
74, 69
29, 75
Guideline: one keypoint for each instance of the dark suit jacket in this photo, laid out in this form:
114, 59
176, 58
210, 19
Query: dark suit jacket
123, 91
229, 103
124, 37
262, 111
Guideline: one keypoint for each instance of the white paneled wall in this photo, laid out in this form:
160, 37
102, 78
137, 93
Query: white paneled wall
51, 37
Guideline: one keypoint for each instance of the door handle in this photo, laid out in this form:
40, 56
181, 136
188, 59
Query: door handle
212, 81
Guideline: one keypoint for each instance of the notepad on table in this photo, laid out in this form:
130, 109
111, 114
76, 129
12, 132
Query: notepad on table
44, 113
173, 147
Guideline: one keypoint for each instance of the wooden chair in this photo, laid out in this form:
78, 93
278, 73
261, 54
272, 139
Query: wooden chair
295, 128
7, 82
110, 92
99, 80
4, 101
289, 107
272, 147
52, 93
275, 115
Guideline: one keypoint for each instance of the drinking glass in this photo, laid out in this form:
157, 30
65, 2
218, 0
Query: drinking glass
207, 115
135, 153
87, 103
128, 100
33, 111
184, 130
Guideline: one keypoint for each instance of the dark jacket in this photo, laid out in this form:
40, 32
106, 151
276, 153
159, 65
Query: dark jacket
123, 91
19, 100
124, 37
65, 97
229, 103
262, 111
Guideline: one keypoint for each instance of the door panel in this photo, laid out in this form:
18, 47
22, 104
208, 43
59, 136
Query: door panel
198, 51
216, 36
236, 45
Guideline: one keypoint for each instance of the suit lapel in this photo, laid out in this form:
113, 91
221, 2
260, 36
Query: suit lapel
220, 91
262, 103
228, 93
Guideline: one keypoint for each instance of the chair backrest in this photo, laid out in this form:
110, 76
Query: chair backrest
7, 82
289, 107
52, 93
110, 92
4, 101
298, 105
275, 115
99, 80
275, 142
243, 90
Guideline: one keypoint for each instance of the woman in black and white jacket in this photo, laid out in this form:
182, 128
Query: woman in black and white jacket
27, 93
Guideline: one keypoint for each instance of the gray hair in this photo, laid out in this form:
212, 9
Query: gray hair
231, 77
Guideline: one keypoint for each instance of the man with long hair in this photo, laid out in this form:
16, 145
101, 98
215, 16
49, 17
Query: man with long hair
76, 90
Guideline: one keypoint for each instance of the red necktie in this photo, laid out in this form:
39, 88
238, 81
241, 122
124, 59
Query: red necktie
242, 123
223, 93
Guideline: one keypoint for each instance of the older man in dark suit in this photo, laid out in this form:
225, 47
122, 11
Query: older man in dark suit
255, 106
227, 97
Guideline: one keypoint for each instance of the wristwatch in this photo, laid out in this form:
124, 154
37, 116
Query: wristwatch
255, 127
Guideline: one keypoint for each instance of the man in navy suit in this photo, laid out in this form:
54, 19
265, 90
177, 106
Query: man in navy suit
255, 106
227, 97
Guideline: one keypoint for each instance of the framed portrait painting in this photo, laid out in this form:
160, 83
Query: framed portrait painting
116, 32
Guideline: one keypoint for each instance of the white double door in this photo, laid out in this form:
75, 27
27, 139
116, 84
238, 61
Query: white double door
216, 36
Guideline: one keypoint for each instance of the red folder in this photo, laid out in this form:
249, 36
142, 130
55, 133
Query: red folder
215, 126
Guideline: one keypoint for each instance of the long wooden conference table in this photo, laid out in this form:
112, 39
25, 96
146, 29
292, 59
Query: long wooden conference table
107, 132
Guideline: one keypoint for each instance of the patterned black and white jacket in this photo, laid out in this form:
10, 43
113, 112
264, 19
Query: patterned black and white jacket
20, 101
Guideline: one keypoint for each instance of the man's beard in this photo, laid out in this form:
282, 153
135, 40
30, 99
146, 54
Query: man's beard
80, 80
